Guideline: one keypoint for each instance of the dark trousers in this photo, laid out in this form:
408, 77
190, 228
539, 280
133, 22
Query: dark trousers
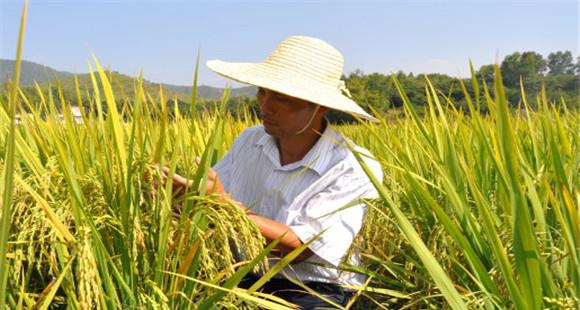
295, 294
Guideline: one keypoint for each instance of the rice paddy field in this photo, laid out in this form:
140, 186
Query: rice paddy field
476, 211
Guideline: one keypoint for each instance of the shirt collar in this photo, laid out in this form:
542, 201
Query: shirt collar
317, 157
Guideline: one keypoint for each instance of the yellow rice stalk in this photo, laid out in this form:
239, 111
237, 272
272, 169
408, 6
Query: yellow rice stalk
231, 235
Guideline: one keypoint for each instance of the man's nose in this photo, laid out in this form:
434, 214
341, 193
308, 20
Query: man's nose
267, 105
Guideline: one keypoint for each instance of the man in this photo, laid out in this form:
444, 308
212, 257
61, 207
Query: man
293, 174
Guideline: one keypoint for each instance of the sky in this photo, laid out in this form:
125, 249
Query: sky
163, 38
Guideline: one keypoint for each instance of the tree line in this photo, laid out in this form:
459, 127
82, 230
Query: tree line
558, 74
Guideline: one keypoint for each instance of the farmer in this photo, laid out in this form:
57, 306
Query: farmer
293, 174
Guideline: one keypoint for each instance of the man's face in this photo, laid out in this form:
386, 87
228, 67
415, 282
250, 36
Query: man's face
282, 115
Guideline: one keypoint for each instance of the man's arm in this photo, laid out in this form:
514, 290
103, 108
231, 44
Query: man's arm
272, 230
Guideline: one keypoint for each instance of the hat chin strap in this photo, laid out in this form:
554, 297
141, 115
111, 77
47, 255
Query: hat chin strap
309, 122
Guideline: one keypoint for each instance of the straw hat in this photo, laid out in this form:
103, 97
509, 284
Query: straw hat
301, 67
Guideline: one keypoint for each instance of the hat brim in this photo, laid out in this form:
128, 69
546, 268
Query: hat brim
288, 83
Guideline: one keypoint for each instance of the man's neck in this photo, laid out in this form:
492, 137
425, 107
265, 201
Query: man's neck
293, 149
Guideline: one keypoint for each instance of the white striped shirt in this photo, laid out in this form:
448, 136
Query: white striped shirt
305, 195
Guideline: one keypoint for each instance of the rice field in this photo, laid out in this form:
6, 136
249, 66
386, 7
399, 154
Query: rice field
476, 211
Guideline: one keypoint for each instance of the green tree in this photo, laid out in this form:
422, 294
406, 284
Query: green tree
486, 73
529, 66
560, 63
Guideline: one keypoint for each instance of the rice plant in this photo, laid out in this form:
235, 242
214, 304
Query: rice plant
493, 197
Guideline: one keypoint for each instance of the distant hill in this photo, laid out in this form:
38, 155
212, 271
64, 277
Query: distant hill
31, 72
209, 92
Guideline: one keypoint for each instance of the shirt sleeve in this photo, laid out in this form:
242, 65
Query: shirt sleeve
338, 213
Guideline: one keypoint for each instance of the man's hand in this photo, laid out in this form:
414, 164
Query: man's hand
180, 183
